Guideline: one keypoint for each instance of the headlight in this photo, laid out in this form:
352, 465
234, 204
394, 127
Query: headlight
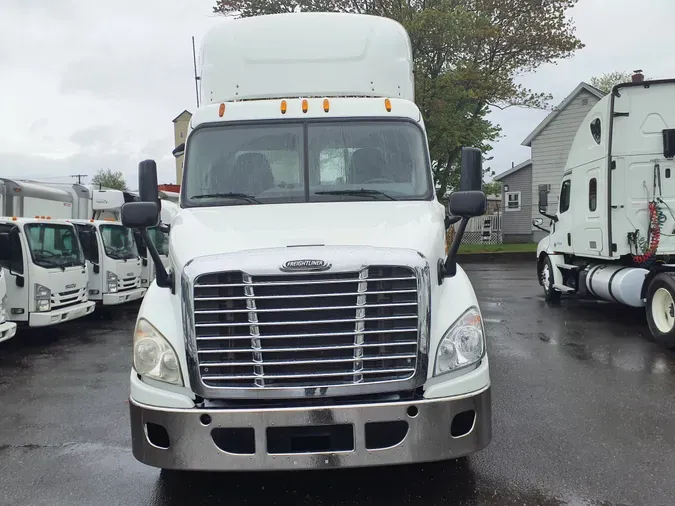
462, 345
113, 280
43, 297
154, 356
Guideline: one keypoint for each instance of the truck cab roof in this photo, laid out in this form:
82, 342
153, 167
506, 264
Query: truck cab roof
306, 55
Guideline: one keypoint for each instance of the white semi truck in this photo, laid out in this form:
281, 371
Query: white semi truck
7, 328
613, 235
310, 316
45, 272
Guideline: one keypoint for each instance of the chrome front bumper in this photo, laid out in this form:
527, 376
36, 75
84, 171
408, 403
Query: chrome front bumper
276, 439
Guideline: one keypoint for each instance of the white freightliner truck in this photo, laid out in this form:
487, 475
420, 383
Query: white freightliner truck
45, 271
310, 316
613, 236
7, 328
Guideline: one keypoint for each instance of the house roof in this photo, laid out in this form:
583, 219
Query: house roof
522, 165
181, 115
560, 107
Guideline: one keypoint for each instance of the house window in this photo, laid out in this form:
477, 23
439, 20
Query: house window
592, 194
596, 130
512, 201
565, 195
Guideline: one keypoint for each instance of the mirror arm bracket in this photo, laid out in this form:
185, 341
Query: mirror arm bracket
541, 228
164, 278
549, 216
448, 268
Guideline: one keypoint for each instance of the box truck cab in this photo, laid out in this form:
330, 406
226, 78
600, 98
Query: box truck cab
113, 262
310, 316
45, 271
613, 235
7, 328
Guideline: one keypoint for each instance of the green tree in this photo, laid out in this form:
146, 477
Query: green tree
492, 188
607, 81
468, 55
106, 178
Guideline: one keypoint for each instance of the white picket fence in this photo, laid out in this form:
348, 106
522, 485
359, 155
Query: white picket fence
486, 229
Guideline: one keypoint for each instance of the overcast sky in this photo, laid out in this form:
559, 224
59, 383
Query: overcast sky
86, 84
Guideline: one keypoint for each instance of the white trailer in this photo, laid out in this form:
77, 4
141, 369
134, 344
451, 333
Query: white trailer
7, 328
45, 271
310, 316
613, 235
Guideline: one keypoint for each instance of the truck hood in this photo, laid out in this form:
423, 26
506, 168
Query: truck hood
198, 232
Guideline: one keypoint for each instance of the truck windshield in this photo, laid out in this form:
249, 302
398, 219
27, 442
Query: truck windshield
314, 161
118, 242
53, 245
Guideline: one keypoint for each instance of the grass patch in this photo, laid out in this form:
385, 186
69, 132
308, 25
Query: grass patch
498, 248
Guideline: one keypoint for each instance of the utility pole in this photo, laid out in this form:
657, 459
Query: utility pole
79, 177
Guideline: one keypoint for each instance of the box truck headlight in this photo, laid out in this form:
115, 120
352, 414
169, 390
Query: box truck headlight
462, 345
43, 297
113, 280
154, 357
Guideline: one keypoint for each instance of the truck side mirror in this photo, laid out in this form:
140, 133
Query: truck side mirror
471, 175
543, 201
148, 190
178, 150
140, 214
467, 204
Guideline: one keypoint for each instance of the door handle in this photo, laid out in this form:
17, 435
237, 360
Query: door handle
569, 239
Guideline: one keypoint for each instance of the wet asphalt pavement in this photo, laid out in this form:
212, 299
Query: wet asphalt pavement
583, 414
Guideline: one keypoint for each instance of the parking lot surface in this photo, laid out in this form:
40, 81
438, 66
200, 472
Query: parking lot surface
583, 414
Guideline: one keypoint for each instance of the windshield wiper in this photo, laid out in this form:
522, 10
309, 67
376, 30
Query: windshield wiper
362, 191
241, 196
45, 262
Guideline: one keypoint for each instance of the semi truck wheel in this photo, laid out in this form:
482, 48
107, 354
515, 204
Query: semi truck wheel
661, 309
546, 276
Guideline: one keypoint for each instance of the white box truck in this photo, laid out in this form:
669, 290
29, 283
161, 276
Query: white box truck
7, 328
613, 235
310, 316
45, 271
113, 262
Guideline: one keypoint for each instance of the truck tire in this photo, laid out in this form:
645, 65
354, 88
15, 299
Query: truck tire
546, 277
661, 309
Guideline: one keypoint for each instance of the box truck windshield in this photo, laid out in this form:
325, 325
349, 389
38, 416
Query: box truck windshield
53, 245
118, 242
304, 161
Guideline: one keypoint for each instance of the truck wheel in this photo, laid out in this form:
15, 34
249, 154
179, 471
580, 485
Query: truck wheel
661, 309
546, 277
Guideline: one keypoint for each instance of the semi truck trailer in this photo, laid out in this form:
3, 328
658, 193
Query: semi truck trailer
612, 236
310, 315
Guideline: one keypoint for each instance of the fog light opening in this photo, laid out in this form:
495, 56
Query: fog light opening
413, 411
157, 436
205, 420
462, 423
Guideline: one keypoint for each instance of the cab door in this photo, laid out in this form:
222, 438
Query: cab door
589, 203
14, 262
561, 239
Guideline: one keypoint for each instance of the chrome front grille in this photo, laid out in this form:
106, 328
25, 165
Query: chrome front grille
309, 330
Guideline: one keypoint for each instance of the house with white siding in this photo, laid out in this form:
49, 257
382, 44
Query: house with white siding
550, 144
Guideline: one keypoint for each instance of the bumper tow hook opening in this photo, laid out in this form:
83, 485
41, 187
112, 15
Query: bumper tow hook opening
157, 436
205, 420
235, 440
381, 435
462, 423
413, 411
